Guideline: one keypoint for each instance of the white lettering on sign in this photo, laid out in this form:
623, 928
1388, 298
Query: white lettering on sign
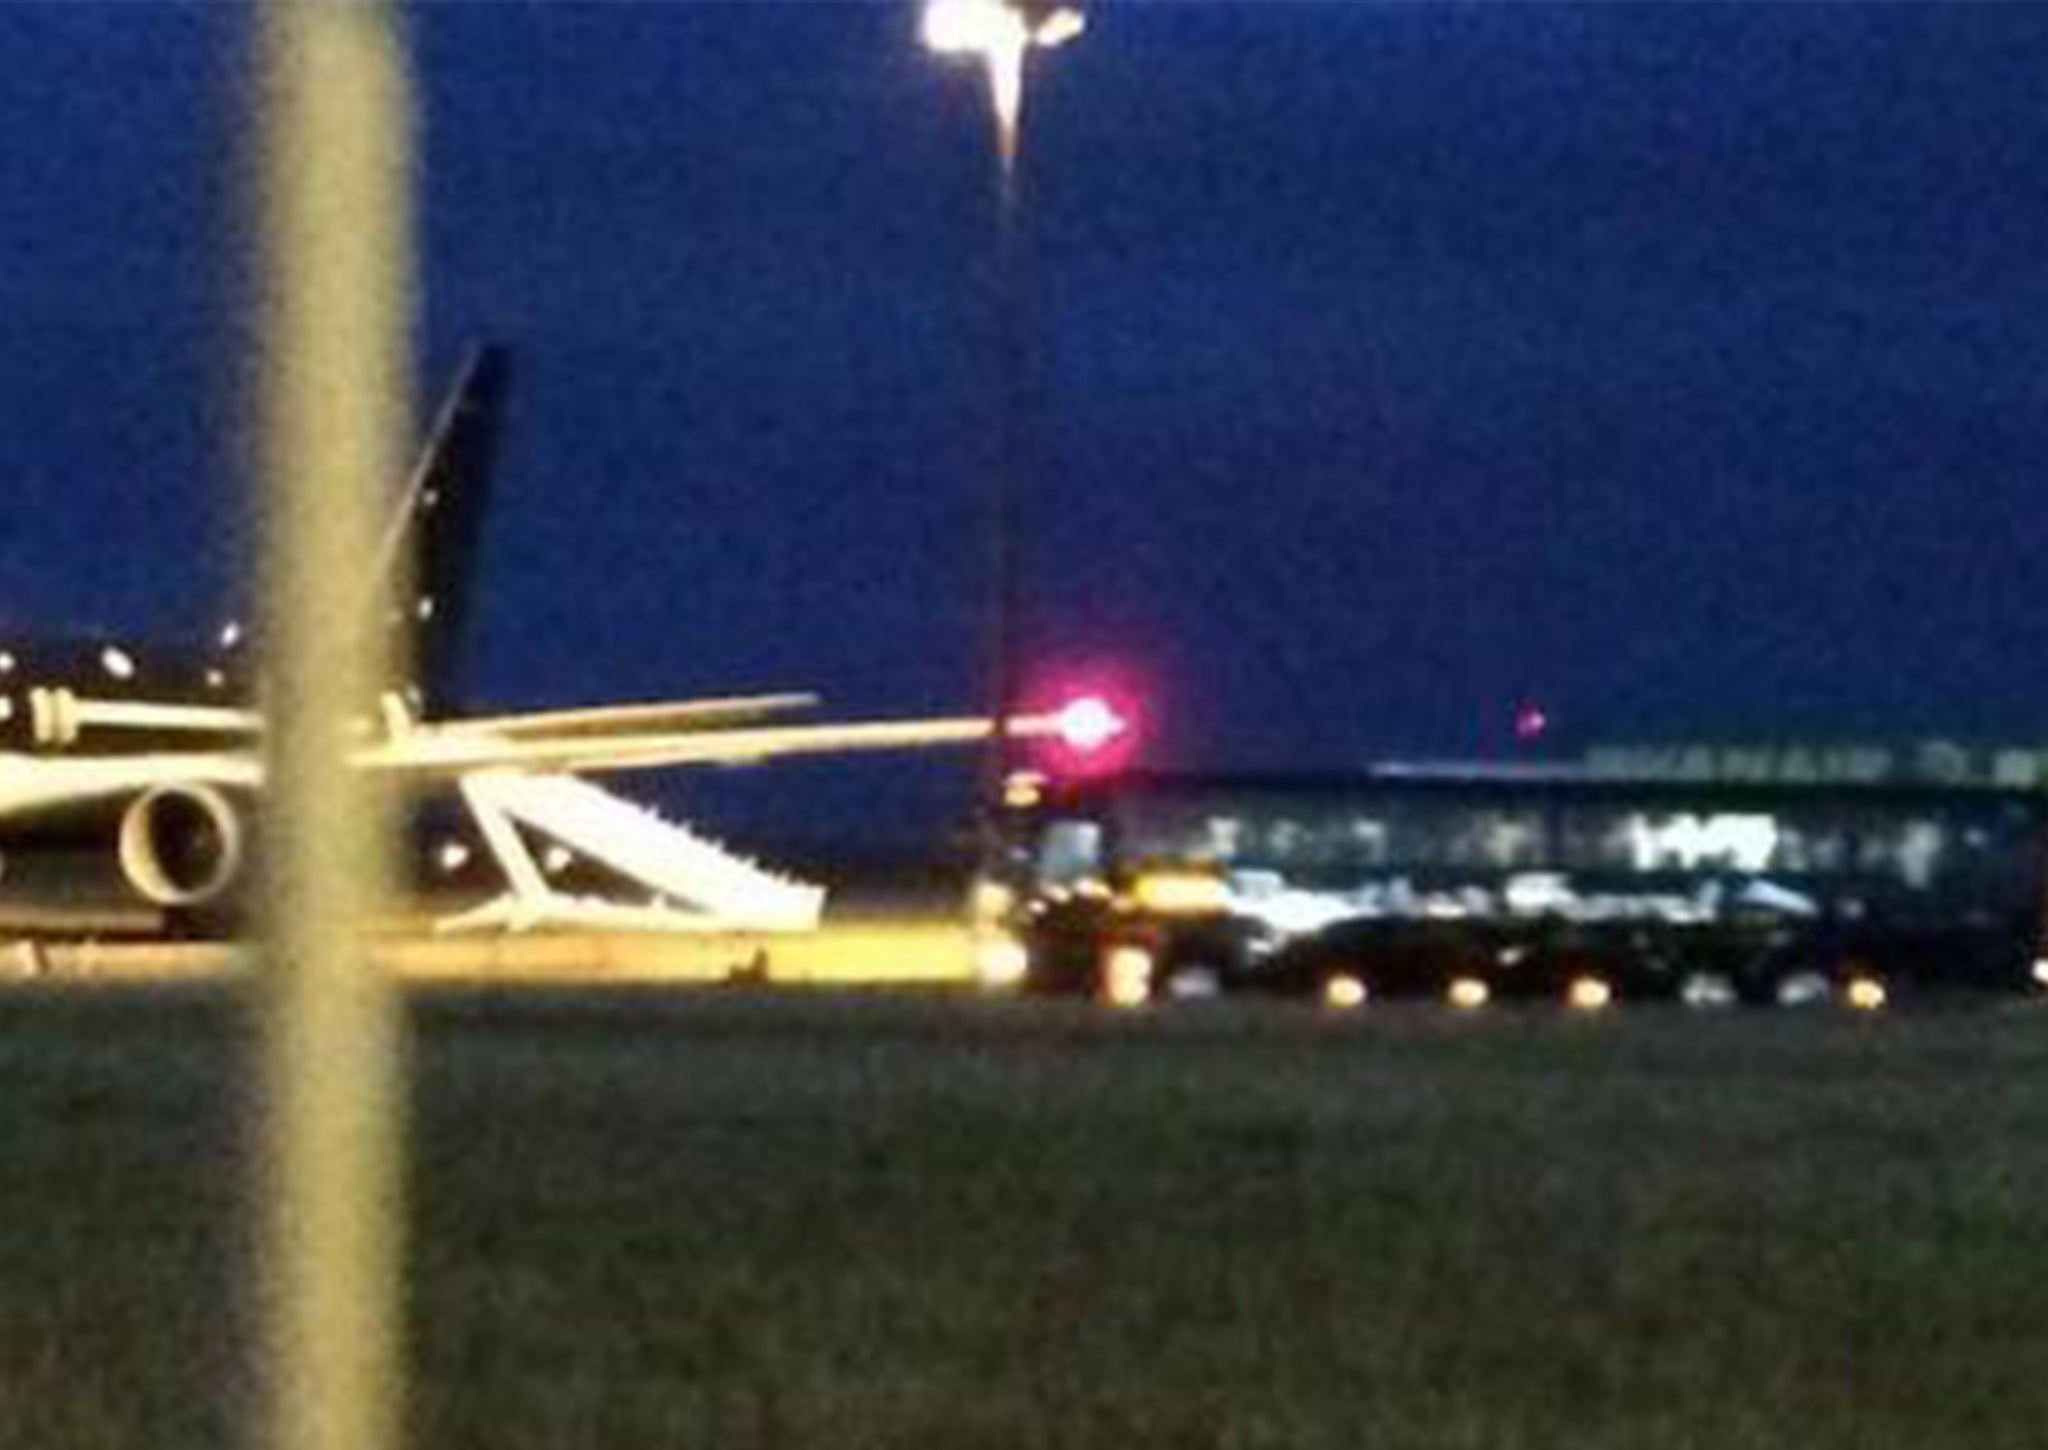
1688, 842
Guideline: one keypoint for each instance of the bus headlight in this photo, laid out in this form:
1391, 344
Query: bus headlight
1001, 961
1127, 976
1180, 893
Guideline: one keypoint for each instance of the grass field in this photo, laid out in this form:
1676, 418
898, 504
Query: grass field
652, 1218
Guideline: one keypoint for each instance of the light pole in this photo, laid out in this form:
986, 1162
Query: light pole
1000, 35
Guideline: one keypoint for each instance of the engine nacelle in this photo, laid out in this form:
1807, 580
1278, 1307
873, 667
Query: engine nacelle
183, 845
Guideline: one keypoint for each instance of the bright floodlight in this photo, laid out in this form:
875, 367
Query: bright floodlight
998, 33
978, 27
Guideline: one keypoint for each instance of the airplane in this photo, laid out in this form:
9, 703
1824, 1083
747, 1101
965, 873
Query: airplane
148, 758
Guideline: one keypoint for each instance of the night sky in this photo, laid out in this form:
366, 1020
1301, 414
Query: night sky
1681, 369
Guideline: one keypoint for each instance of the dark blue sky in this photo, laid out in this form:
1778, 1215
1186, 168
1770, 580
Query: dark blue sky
1681, 368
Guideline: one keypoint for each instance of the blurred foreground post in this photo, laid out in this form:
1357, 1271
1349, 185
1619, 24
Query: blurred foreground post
334, 215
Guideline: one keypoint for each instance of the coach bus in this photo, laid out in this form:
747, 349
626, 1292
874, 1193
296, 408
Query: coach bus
1476, 886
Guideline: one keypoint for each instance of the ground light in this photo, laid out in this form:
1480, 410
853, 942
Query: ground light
1468, 993
1588, 994
1343, 992
1865, 994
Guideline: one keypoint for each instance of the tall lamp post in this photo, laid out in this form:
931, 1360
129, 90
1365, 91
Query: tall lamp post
1000, 35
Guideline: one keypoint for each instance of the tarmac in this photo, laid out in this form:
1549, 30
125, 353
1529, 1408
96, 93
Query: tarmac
901, 949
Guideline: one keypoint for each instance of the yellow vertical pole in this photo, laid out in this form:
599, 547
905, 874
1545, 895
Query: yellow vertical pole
334, 218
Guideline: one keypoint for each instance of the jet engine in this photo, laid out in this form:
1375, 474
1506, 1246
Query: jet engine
183, 845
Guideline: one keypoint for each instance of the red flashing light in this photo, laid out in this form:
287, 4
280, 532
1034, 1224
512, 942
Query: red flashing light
1089, 724
1090, 735
1094, 714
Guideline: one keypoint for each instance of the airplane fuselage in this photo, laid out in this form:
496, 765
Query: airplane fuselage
88, 694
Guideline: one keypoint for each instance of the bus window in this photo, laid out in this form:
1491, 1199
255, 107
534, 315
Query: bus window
1813, 846
1069, 851
1498, 840
1367, 846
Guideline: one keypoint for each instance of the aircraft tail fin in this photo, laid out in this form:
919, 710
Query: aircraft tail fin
438, 525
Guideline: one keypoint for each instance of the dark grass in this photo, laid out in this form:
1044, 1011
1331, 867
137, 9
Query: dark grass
645, 1218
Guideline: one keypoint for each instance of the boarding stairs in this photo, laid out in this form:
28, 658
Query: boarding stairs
694, 883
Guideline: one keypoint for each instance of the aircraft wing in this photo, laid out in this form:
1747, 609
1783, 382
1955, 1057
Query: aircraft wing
60, 715
434, 752
40, 785
619, 720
